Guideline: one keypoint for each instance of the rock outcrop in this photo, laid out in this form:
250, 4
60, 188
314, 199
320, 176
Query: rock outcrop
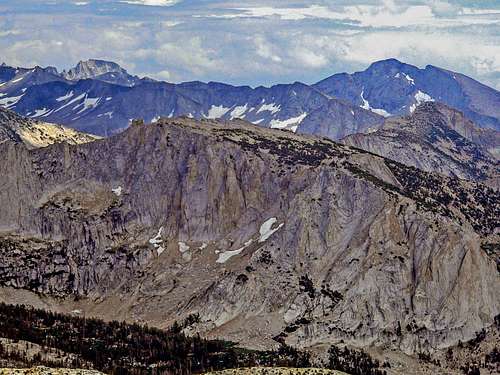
34, 133
436, 138
266, 234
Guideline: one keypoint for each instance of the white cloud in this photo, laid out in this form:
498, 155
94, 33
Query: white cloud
158, 3
385, 15
265, 49
163, 75
7, 33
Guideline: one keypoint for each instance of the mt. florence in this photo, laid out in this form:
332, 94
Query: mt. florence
101, 98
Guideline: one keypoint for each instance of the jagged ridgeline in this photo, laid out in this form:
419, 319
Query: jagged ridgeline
266, 235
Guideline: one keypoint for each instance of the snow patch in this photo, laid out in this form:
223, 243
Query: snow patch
273, 108
409, 79
17, 80
366, 105
78, 98
282, 124
257, 121
238, 111
224, 256
203, 246
380, 111
266, 229
217, 111
89, 103
156, 240
10, 101
65, 97
118, 191
109, 114
40, 112
420, 98
183, 247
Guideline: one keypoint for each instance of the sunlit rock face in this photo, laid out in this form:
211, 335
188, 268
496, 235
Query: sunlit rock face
264, 233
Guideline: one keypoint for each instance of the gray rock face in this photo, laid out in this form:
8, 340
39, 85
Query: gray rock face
264, 233
436, 138
337, 120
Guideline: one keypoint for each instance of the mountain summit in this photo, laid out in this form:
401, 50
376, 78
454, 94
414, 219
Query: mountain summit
391, 87
107, 71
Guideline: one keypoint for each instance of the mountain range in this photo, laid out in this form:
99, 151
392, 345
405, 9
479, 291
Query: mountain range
100, 97
362, 211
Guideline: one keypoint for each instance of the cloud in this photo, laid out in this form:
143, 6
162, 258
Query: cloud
256, 41
163, 75
265, 49
158, 3
386, 14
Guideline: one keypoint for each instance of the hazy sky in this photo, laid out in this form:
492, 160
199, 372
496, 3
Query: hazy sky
253, 42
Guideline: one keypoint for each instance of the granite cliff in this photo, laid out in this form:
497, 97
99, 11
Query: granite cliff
266, 234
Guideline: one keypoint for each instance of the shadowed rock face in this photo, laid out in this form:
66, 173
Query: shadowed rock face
437, 138
264, 233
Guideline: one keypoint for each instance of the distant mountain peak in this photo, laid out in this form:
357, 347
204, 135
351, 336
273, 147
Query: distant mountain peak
107, 71
92, 68
387, 62
398, 88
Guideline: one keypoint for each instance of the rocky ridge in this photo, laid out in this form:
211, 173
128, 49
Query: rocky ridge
35, 133
267, 235
436, 138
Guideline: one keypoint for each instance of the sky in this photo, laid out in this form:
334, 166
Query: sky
253, 42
